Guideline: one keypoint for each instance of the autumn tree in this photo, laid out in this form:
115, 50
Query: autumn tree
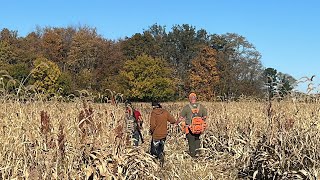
92, 55
8, 36
147, 78
32, 43
181, 45
9, 47
7, 54
11, 55
109, 65
31, 48
83, 50
178, 47
56, 44
225, 64
204, 74
52, 44
45, 74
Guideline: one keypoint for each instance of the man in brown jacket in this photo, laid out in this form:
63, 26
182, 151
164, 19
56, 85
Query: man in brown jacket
158, 129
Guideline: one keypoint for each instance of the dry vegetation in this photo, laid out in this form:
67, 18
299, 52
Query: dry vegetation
83, 140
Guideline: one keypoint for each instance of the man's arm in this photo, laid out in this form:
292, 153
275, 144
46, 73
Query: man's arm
183, 115
171, 119
204, 112
180, 119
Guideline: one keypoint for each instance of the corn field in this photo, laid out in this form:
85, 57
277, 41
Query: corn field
79, 139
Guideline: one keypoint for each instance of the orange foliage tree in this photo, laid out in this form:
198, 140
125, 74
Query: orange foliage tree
204, 74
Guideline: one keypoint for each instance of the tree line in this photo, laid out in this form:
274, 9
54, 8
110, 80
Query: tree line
153, 64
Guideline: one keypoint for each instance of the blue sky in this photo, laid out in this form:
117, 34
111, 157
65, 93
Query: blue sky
285, 32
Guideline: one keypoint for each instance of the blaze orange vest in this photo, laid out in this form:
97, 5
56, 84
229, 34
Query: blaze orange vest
197, 126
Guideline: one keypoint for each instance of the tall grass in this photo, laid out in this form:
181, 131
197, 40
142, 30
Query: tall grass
248, 139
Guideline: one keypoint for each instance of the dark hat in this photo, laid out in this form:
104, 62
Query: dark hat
128, 103
156, 104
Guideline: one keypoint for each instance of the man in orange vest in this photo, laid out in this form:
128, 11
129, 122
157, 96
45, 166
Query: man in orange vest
193, 118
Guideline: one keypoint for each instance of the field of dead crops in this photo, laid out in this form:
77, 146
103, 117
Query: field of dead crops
84, 140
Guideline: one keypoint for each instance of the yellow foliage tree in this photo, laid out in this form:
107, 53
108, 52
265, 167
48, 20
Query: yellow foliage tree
46, 74
147, 79
204, 74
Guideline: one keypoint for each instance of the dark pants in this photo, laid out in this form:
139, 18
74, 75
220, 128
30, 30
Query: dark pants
136, 138
157, 147
193, 142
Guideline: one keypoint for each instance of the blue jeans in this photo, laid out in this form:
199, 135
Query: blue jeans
136, 138
157, 147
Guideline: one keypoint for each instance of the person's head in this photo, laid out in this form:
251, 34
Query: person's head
128, 104
192, 98
156, 104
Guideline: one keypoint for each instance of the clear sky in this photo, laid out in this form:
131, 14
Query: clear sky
285, 32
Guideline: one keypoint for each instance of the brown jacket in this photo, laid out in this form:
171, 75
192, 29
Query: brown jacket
158, 123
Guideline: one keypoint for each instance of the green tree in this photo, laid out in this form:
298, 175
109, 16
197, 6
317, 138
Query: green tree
46, 74
271, 81
19, 71
278, 82
149, 42
146, 78
65, 83
287, 83
84, 79
139, 44
182, 45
